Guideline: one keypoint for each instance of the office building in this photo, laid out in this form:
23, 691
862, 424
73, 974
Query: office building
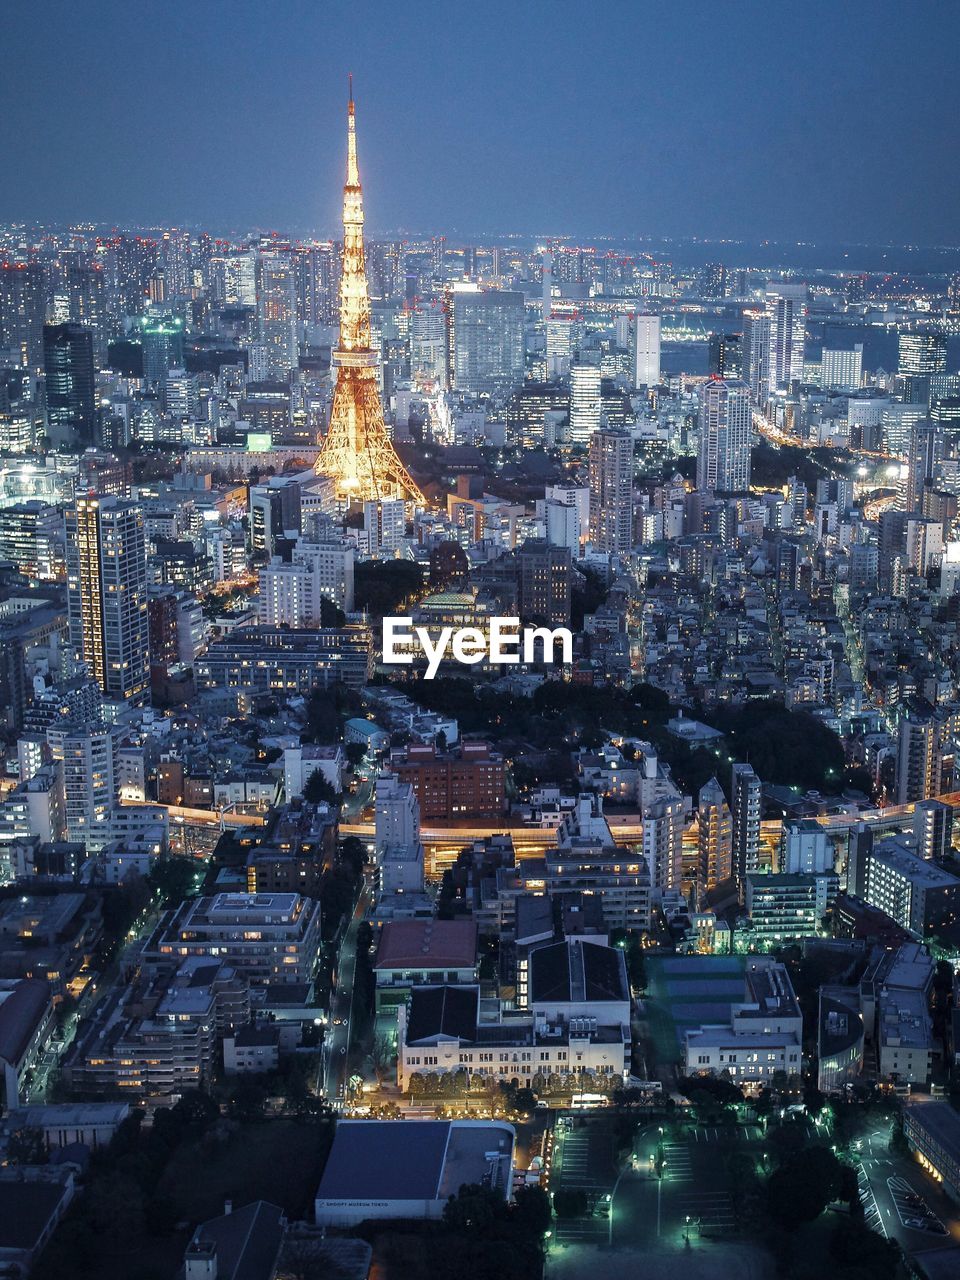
725, 355
275, 515
646, 351
22, 305
107, 594
31, 538
70, 384
161, 336
545, 581
485, 340
277, 312
611, 492
841, 370
932, 1130
726, 424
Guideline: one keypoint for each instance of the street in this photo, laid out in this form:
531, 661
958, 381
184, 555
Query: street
336, 1044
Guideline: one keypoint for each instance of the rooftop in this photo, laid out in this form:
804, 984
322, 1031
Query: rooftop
399, 1160
428, 944
575, 971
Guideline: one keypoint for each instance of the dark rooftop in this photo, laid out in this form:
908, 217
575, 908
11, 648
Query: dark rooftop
575, 970
443, 1011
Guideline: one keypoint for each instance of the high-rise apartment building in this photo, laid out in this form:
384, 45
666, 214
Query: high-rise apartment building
786, 308
714, 838
723, 460
107, 594
746, 802
611, 491
919, 757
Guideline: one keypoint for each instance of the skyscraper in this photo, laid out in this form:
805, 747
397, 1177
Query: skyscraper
726, 355
584, 402
70, 384
922, 364
485, 340
107, 594
723, 460
162, 336
746, 794
646, 351
22, 301
277, 311
356, 451
611, 491
786, 307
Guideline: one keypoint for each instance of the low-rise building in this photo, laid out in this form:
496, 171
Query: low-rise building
419, 952
267, 937
440, 1032
762, 1037
161, 1034
932, 1129
395, 1169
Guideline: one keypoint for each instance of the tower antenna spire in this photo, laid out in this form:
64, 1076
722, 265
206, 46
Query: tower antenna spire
357, 453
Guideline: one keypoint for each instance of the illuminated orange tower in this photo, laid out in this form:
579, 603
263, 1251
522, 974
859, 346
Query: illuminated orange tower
357, 453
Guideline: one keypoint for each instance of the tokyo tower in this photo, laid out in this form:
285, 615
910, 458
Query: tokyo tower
357, 453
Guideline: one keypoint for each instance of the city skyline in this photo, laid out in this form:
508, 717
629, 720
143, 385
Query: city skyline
622, 123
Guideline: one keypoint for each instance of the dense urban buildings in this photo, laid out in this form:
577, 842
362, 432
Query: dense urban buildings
619, 889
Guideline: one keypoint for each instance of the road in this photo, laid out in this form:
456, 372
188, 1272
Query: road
336, 1045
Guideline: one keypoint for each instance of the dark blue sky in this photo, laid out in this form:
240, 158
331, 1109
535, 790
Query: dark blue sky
833, 120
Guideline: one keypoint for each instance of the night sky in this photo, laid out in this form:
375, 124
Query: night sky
830, 121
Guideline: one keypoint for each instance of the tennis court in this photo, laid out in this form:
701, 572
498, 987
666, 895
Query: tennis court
687, 991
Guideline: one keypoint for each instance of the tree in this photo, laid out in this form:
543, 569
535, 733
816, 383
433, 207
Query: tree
800, 1190
474, 1208
381, 1056
355, 752
27, 1146
570, 1202
532, 1209
318, 790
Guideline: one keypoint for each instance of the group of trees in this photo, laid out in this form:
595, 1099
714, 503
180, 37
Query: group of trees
519, 1094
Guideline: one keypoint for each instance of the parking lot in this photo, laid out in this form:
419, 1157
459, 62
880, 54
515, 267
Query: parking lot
584, 1160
